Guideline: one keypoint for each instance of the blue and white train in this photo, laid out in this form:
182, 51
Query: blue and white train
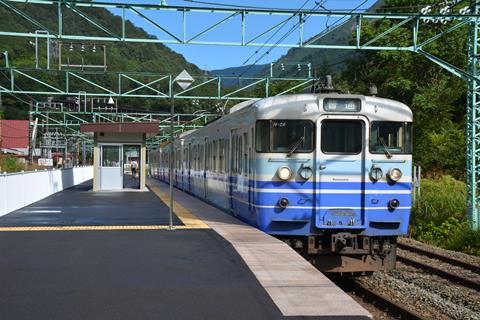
329, 174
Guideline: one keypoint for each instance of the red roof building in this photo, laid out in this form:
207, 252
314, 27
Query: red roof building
13, 134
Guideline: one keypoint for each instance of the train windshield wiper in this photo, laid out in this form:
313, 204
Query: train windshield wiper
385, 148
295, 146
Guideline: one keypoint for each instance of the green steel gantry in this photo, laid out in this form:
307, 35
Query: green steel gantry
56, 116
248, 35
141, 84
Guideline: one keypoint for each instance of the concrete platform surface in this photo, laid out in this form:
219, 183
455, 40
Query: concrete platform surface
295, 286
142, 274
79, 206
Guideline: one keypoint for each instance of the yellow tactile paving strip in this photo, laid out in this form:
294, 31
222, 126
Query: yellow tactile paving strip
189, 220
86, 228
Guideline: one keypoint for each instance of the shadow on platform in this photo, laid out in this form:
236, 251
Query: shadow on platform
79, 206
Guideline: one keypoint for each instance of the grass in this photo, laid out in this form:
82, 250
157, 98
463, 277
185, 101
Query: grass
439, 218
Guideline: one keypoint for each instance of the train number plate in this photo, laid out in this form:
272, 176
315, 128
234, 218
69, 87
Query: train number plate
342, 218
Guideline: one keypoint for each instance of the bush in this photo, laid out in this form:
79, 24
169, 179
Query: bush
439, 200
438, 216
10, 164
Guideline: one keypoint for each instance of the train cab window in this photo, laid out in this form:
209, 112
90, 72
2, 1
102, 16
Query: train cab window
296, 136
394, 137
342, 136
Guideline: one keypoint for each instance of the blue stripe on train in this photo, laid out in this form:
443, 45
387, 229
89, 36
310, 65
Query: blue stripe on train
332, 199
334, 185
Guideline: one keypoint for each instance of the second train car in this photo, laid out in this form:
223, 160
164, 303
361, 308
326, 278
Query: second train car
329, 174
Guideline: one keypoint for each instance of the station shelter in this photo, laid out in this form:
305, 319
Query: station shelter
119, 154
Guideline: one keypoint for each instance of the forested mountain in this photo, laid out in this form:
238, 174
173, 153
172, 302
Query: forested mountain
328, 60
134, 57
437, 97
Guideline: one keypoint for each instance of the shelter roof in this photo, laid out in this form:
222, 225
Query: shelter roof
121, 127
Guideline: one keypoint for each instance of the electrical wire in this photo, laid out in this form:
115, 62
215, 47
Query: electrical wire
289, 32
275, 33
15, 96
318, 4
236, 6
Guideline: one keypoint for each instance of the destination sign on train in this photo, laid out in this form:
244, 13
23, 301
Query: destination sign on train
342, 105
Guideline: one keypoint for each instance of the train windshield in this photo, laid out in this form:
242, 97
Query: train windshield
289, 136
391, 137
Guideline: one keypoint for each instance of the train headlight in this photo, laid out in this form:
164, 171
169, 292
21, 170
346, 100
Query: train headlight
283, 203
305, 172
376, 173
284, 173
393, 204
394, 174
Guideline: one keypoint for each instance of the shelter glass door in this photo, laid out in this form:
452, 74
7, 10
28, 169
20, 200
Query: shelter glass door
111, 173
131, 166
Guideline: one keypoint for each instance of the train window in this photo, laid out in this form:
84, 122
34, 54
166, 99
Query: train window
342, 136
214, 160
296, 136
221, 156
391, 137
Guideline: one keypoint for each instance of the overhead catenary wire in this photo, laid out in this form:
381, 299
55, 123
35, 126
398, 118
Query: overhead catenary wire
293, 28
318, 4
14, 95
275, 33
237, 6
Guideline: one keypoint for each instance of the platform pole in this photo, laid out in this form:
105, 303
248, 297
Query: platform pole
172, 161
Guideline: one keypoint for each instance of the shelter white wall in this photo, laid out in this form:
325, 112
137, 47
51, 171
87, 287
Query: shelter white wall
18, 190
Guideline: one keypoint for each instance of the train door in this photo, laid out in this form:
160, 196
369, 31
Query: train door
341, 175
233, 169
205, 168
189, 167
250, 169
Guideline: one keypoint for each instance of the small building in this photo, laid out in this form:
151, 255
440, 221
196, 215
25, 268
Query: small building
14, 137
119, 154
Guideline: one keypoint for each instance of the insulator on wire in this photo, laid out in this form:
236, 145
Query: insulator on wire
426, 10
464, 10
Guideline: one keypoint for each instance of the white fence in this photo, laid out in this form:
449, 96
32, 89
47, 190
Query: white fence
20, 189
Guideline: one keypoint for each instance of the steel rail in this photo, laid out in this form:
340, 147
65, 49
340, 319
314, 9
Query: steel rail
379, 300
466, 282
465, 265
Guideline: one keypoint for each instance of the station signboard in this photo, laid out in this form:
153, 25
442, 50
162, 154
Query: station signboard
45, 162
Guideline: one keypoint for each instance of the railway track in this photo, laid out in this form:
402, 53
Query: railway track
416, 258
378, 300
463, 264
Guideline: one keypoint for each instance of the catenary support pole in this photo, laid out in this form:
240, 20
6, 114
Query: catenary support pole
473, 127
172, 159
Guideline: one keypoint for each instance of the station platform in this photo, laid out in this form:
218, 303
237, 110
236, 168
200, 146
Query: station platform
60, 260
80, 206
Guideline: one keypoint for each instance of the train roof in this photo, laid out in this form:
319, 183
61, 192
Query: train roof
309, 106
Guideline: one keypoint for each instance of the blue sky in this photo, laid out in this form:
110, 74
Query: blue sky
210, 57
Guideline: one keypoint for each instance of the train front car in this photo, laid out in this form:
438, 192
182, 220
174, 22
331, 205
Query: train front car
333, 177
